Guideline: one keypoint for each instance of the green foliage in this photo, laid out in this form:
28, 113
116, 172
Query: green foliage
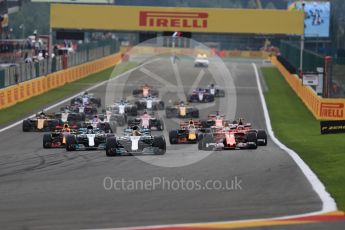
32, 16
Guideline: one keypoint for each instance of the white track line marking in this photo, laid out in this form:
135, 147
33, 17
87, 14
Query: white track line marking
197, 81
75, 95
328, 203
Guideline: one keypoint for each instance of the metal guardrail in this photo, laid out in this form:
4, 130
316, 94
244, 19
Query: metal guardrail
25, 71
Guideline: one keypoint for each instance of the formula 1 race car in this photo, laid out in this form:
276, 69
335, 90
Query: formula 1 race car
233, 137
103, 123
135, 142
216, 91
42, 122
86, 99
150, 103
214, 120
187, 133
147, 121
181, 110
201, 95
70, 117
119, 111
87, 139
57, 138
201, 61
144, 91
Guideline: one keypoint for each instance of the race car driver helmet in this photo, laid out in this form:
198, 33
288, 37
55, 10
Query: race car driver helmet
86, 93
66, 127
89, 129
191, 122
212, 85
240, 121
136, 131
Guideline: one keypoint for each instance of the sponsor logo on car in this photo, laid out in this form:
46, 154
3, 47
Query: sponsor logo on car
173, 19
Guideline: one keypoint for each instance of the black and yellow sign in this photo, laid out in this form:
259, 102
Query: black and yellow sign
329, 127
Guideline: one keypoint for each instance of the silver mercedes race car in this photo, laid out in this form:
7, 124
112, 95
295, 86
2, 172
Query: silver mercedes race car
135, 141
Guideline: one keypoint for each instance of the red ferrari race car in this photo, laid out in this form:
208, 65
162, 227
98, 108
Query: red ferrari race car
187, 133
57, 138
234, 136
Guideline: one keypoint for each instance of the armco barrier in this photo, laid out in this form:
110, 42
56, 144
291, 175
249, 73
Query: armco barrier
321, 108
20, 92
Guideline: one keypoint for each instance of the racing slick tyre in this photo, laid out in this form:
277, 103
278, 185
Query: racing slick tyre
26, 125
136, 92
82, 116
105, 127
169, 113
112, 126
134, 111
200, 137
252, 140
207, 139
98, 102
51, 126
195, 114
160, 125
70, 143
47, 141
262, 137
221, 93
173, 137
161, 105
110, 147
209, 98
160, 143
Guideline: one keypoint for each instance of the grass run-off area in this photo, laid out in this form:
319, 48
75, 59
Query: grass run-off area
296, 127
39, 102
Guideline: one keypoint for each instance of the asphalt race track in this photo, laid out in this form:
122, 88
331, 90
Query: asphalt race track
55, 189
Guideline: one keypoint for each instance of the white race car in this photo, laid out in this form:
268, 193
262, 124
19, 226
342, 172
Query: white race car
201, 60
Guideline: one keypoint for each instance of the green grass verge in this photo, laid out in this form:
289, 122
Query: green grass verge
38, 102
296, 127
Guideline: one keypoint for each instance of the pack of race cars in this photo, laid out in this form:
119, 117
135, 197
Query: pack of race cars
80, 126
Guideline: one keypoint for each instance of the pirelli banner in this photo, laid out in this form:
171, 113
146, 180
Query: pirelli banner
207, 20
330, 127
